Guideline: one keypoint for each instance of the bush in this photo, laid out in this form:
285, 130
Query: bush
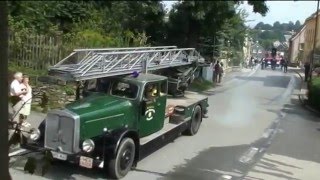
200, 84
314, 93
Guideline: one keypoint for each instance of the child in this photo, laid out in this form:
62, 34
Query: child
25, 111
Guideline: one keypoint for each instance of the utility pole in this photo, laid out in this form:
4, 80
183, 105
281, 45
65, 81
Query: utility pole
314, 40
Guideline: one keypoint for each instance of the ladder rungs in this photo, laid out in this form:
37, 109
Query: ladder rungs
122, 49
106, 62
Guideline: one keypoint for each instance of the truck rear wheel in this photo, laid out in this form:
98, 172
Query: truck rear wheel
122, 163
195, 121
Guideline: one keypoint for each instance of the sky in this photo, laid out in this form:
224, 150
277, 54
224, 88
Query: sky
282, 11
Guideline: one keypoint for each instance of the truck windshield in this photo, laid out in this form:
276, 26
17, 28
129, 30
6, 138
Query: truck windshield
125, 90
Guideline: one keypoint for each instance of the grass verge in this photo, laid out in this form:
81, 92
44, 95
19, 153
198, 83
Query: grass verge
200, 84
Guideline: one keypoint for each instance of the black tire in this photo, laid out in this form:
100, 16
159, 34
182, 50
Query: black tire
195, 121
122, 163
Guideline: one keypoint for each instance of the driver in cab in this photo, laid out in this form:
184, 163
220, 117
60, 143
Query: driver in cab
151, 91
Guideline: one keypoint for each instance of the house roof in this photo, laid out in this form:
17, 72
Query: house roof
298, 33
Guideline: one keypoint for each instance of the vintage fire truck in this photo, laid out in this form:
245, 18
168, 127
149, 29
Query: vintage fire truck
123, 111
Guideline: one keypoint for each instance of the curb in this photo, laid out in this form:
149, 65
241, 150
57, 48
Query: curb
302, 101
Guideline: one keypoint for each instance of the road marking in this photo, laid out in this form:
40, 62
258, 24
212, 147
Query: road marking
254, 70
267, 133
17, 152
248, 156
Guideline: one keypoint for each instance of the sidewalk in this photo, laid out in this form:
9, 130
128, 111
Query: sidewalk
303, 94
303, 85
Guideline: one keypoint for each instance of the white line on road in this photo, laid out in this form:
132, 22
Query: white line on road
254, 70
248, 156
267, 133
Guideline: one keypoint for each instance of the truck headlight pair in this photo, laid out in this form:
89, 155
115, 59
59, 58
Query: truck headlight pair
88, 145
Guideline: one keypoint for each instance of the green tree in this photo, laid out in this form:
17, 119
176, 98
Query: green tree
297, 25
277, 25
290, 26
42, 15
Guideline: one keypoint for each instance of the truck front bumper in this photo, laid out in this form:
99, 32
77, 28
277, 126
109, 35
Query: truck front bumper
81, 159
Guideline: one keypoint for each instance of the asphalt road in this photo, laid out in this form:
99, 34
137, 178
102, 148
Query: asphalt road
251, 117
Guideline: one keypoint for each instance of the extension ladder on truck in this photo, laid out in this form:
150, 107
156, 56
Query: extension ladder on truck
84, 64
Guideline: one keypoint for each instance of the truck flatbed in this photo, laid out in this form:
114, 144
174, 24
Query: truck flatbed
171, 129
189, 98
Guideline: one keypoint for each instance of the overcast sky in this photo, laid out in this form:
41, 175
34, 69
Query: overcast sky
282, 11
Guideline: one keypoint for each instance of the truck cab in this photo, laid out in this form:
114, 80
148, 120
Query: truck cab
117, 121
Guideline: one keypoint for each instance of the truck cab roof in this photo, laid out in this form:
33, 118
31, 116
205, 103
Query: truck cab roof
145, 78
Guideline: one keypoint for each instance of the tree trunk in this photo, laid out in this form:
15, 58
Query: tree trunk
4, 159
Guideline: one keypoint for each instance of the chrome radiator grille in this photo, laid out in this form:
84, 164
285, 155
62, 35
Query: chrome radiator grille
62, 131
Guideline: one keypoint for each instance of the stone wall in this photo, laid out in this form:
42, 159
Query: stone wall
57, 96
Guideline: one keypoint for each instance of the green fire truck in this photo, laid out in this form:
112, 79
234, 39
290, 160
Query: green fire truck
123, 111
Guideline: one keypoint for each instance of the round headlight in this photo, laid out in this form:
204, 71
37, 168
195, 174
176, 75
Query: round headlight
88, 145
34, 134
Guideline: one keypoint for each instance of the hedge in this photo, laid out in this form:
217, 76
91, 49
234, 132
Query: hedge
314, 93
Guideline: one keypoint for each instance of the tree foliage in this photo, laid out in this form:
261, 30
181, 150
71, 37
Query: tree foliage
126, 23
83, 24
267, 34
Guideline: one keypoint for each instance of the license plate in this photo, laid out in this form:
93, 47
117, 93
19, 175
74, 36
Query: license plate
86, 162
59, 155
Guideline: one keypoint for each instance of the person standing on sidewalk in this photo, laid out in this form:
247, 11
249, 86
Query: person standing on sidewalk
285, 65
220, 72
217, 71
15, 95
306, 71
27, 98
213, 72
282, 62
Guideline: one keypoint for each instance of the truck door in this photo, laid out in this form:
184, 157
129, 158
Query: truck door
153, 108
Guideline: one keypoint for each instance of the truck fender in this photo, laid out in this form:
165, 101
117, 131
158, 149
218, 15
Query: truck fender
114, 138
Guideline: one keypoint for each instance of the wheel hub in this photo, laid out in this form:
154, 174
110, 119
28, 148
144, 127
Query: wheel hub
125, 159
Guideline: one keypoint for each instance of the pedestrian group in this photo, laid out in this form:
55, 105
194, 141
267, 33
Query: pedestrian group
20, 98
217, 71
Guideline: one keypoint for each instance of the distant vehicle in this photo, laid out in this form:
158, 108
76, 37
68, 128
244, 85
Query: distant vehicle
269, 58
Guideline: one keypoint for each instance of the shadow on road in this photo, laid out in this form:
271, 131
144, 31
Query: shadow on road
210, 164
269, 81
61, 171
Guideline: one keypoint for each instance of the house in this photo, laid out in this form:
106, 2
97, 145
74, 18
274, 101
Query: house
276, 44
296, 46
302, 43
310, 36
282, 49
257, 50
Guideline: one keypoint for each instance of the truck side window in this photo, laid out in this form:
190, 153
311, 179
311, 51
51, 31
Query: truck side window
151, 91
123, 89
163, 88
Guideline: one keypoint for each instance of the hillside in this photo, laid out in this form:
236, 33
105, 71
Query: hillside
266, 34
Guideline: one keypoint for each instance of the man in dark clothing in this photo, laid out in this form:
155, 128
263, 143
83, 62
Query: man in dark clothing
285, 65
216, 71
282, 61
306, 71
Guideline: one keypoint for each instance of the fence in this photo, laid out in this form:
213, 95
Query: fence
35, 51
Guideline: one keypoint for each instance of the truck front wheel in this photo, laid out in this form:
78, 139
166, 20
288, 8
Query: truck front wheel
122, 163
195, 121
